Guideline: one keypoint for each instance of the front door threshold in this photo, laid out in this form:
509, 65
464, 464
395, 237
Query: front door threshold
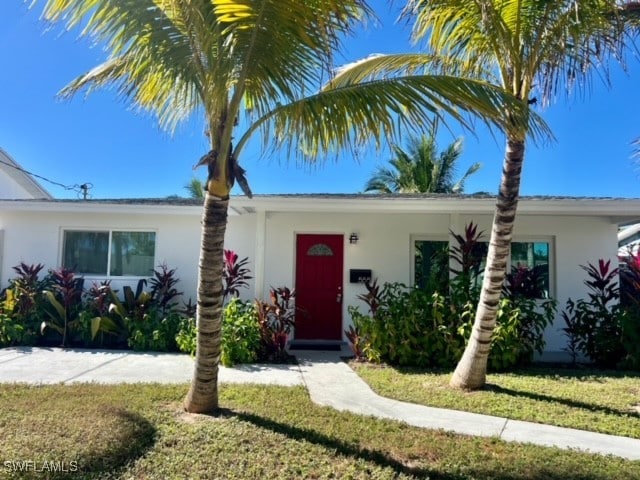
326, 345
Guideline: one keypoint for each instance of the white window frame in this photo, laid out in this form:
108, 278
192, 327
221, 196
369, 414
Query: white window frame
110, 231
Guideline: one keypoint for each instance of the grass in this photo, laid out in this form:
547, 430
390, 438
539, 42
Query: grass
139, 431
600, 401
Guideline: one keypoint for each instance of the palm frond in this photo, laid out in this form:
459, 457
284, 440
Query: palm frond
154, 59
483, 98
350, 116
282, 51
458, 187
537, 46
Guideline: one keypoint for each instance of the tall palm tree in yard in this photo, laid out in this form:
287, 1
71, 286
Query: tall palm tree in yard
420, 169
531, 49
222, 58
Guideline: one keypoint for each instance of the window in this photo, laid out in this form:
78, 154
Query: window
113, 253
528, 271
320, 250
431, 264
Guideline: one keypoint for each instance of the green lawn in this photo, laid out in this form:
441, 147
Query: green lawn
601, 401
139, 431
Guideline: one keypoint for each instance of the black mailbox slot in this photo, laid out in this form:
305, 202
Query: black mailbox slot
359, 275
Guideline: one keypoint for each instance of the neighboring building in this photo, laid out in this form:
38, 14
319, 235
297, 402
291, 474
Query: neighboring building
322, 245
16, 183
628, 240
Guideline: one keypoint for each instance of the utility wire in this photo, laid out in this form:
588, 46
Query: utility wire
79, 189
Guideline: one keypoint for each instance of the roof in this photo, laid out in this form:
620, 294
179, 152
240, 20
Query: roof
11, 168
619, 211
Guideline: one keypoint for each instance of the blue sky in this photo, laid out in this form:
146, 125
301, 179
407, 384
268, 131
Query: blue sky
102, 140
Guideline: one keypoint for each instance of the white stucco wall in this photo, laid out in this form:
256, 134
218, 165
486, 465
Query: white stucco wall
385, 241
268, 239
36, 237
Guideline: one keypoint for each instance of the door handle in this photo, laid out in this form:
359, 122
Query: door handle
339, 298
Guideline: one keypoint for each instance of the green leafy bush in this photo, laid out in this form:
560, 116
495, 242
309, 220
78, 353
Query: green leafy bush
187, 335
64, 306
98, 326
410, 327
594, 325
240, 333
606, 326
630, 301
11, 332
276, 319
426, 327
22, 305
519, 331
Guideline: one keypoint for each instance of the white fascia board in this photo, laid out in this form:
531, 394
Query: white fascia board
617, 211
101, 207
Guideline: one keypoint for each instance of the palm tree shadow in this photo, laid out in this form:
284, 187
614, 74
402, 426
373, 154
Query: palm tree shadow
383, 459
346, 449
559, 400
135, 437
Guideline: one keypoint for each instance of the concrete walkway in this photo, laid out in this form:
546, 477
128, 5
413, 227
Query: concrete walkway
329, 380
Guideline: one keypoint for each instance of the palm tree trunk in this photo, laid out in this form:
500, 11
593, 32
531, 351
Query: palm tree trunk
471, 371
203, 394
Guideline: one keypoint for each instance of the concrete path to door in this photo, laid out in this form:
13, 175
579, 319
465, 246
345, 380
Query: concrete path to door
328, 379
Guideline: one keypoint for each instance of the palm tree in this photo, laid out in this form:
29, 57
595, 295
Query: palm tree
531, 49
222, 58
196, 188
421, 169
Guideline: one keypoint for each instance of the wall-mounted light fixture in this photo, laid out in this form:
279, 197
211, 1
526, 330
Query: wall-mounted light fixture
353, 238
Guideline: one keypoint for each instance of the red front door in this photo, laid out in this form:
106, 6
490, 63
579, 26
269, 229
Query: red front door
319, 287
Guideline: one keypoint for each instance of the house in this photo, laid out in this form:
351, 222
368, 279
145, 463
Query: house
15, 182
323, 245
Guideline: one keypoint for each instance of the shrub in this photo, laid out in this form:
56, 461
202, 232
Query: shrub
519, 331
98, 326
276, 319
22, 306
240, 333
187, 335
409, 327
234, 274
426, 327
57, 310
594, 326
163, 288
64, 305
630, 301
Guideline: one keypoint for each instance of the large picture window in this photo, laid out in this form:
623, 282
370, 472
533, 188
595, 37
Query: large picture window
113, 253
529, 267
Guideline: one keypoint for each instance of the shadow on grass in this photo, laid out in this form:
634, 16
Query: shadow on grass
560, 371
340, 447
562, 401
569, 371
135, 435
536, 471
